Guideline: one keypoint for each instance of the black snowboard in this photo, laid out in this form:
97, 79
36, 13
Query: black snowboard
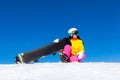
30, 56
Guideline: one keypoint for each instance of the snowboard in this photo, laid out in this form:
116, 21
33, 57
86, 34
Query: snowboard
33, 55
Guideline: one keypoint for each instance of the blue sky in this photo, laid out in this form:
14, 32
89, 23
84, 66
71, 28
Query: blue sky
29, 24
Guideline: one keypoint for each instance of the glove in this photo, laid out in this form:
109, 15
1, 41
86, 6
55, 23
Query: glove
80, 55
56, 40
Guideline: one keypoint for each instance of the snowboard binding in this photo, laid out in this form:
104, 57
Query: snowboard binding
18, 59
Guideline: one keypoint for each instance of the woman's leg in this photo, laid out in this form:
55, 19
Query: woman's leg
74, 58
67, 50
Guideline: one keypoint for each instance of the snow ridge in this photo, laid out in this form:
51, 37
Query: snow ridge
61, 71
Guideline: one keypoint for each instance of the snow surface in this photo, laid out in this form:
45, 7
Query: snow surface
60, 71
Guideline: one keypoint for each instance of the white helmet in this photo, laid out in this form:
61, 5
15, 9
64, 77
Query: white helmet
72, 31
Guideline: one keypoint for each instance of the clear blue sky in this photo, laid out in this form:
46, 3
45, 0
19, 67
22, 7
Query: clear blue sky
29, 24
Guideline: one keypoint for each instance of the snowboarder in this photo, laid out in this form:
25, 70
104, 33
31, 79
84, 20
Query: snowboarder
72, 49
74, 52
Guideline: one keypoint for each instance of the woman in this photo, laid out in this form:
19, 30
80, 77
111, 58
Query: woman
75, 51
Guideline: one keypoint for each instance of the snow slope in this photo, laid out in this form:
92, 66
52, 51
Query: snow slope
60, 71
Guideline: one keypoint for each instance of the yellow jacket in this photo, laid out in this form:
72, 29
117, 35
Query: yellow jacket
77, 46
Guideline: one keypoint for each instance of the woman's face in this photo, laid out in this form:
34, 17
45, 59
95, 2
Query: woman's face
74, 37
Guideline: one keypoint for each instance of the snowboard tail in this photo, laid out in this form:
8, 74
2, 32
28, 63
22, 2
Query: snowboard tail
33, 55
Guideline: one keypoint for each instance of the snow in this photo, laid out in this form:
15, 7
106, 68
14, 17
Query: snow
61, 71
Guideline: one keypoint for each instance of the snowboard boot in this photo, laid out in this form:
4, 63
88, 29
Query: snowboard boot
63, 57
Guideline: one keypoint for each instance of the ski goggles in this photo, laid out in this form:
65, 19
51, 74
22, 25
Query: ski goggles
73, 33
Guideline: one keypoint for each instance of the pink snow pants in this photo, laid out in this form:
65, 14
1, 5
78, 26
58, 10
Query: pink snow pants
72, 58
